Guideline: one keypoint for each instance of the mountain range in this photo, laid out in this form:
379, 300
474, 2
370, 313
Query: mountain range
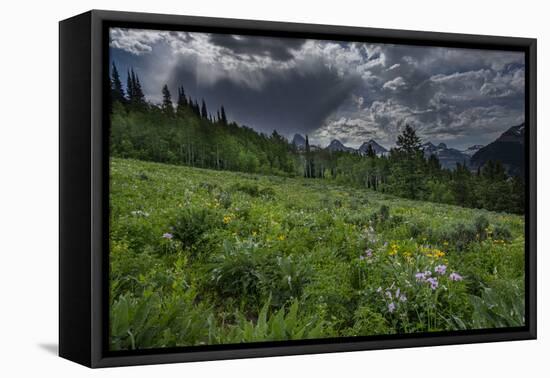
448, 157
336, 145
378, 149
508, 148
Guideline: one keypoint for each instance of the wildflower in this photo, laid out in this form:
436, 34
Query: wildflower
441, 269
281, 237
379, 290
433, 283
455, 277
226, 219
368, 252
402, 298
420, 276
388, 294
167, 235
391, 307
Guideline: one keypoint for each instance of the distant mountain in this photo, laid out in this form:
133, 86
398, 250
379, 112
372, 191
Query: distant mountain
509, 149
470, 151
299, 141
378, 149
448, 157
336, 145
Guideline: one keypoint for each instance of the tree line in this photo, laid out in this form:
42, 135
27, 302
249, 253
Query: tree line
187, 133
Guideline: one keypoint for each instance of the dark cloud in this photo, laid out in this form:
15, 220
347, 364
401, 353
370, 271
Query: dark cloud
290, 101
349, 91
276, 48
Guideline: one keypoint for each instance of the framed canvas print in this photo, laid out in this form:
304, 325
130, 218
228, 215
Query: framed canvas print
234, 188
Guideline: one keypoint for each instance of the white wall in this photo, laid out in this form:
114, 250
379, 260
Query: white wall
28, 186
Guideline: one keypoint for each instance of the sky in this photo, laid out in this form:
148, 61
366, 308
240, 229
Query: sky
350, 91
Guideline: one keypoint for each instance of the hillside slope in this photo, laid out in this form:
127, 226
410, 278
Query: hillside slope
211, 257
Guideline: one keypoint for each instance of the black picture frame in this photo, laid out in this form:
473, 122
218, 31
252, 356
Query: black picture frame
84, 188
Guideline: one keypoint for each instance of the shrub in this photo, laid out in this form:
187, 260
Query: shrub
191, 224
502, 232
283, 279
458, 235
252, 190
282, 325
415, 230
382, 215
267, 192
397, 220
224, 198
151, 321
236, 272
357, 218
463, 235
498, 307
368, 322
481, 225
325, 202
207, 186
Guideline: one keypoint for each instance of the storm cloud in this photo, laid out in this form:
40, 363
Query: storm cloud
334, 90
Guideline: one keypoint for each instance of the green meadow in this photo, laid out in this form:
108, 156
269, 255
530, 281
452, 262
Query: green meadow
201, 257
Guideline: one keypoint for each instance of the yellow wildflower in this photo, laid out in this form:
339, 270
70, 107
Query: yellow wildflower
281, 237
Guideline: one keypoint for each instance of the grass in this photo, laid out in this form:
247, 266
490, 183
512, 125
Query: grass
207, 257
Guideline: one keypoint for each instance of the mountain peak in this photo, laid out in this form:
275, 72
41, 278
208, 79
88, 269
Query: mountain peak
336, 145
448, 157
378, 149
470, 151
508, 149
298, 140
514, 134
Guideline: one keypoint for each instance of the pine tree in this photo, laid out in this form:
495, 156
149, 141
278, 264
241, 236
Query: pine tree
223, 116
408, 165
310, 165
135, 95
130, 88
434, 166
408, 141
204, 111
182, 101
167, 106
117, 92
140, 97
196, 109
